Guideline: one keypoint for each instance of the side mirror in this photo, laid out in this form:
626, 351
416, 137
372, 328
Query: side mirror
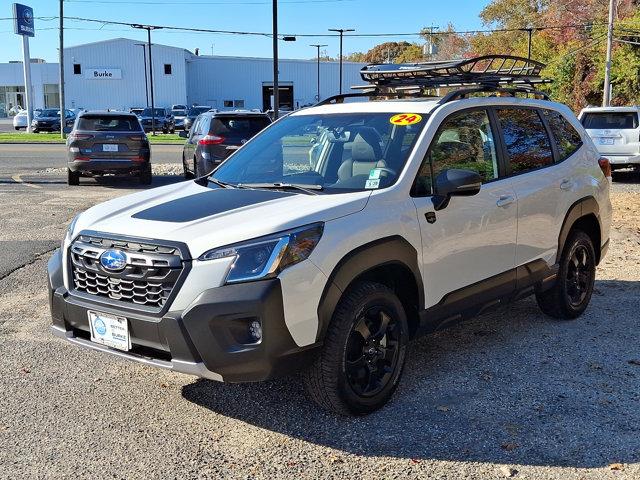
183, 134
455, 182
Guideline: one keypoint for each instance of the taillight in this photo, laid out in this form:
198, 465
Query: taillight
211, 140
605, 166
139, 138
137, 159
79, 136
82, 159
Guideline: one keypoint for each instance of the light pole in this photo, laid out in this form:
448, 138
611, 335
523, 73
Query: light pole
318, 47
341, 31
61, 71
146, 82
276, 88
606, 97
148, 28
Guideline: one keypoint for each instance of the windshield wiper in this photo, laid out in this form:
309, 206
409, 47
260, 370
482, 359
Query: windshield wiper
221, 184
308, 189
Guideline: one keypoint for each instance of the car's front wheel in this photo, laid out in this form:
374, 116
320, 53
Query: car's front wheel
363, 353
571, 293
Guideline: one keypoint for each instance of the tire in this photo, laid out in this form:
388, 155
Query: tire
173, 130
165, 130
570, 295
146, 177
187, 174
35, 130
73, 178
196, 173
357, 371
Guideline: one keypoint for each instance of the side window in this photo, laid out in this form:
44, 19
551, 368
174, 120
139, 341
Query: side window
525, 139
464, 140
195, 128
566, 138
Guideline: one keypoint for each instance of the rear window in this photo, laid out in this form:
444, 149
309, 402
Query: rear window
148, 112
610, 120
238, 127
111, 123
566, 138
195, 111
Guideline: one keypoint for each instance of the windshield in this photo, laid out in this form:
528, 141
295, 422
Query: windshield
610, 120
110, 123
338, 153
179, 113
195, 111
49, 112
147, 112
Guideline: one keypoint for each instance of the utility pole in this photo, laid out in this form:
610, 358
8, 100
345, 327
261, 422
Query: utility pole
61, 70
146, 82
341, 31
276, 87
318, 46
148, 28
606, 97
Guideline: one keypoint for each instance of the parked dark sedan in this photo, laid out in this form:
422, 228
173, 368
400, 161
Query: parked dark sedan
163, 120
216, 135
192, 113
108, 143
49, 120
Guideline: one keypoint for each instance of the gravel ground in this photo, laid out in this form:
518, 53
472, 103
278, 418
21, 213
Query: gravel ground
511, 393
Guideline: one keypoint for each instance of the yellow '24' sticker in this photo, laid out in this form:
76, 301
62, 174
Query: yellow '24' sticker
403, 119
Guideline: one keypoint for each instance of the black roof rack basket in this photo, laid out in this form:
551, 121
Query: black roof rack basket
486, 70
504, 74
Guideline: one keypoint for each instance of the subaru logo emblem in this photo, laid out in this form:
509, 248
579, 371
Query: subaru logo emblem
113, 260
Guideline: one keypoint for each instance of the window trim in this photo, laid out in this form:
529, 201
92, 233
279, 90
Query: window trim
496, 138
554, 144
505, 154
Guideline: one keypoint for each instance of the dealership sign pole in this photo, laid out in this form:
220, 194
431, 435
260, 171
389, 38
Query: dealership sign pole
23, 25
61, 70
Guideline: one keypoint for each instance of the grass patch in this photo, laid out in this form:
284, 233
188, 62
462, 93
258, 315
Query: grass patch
55, 138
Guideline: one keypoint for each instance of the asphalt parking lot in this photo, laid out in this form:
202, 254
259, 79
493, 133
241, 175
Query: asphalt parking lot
511, 393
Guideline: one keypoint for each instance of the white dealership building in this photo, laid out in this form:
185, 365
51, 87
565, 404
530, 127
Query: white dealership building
114, 74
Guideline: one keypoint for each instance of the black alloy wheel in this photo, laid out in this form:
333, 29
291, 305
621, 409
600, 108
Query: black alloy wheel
373, 350
571, 293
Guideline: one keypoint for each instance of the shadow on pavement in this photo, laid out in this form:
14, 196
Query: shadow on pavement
511, 386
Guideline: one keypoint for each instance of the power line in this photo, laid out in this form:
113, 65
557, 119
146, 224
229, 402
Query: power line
236, 3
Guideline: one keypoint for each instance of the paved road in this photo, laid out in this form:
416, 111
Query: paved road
552, 400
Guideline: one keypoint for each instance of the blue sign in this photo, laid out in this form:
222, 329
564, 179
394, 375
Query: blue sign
23, 20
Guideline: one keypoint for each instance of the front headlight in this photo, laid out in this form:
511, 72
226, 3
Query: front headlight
266, 257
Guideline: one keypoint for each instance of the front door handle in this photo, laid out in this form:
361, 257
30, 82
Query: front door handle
505, 200
566, 184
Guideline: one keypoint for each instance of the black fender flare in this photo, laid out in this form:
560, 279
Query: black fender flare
581, 208
393, 250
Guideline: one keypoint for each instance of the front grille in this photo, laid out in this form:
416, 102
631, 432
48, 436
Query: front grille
149, 277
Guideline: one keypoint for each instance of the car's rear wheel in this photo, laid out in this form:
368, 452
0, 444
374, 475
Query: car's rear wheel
571, 293
146, 177
165, 130
188, 175
73, 178
363, 353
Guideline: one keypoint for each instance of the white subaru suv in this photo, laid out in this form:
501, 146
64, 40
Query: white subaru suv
338, 234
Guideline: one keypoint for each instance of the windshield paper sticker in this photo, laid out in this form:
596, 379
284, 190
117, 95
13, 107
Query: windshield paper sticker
372, 184
374, 174
404, 119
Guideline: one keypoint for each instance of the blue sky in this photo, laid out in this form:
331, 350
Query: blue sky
295, 17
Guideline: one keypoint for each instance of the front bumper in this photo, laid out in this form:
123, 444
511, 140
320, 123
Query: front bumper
208, 339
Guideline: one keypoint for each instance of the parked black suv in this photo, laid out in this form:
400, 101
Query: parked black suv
49, 120
108, 143
216, 135
163, 120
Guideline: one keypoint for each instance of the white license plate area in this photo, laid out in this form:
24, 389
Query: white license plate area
109, 148
109, 330
606, 141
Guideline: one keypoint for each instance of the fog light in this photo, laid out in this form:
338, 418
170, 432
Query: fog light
255, 331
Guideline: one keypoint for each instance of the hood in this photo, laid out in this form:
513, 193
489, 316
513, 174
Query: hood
206, 218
